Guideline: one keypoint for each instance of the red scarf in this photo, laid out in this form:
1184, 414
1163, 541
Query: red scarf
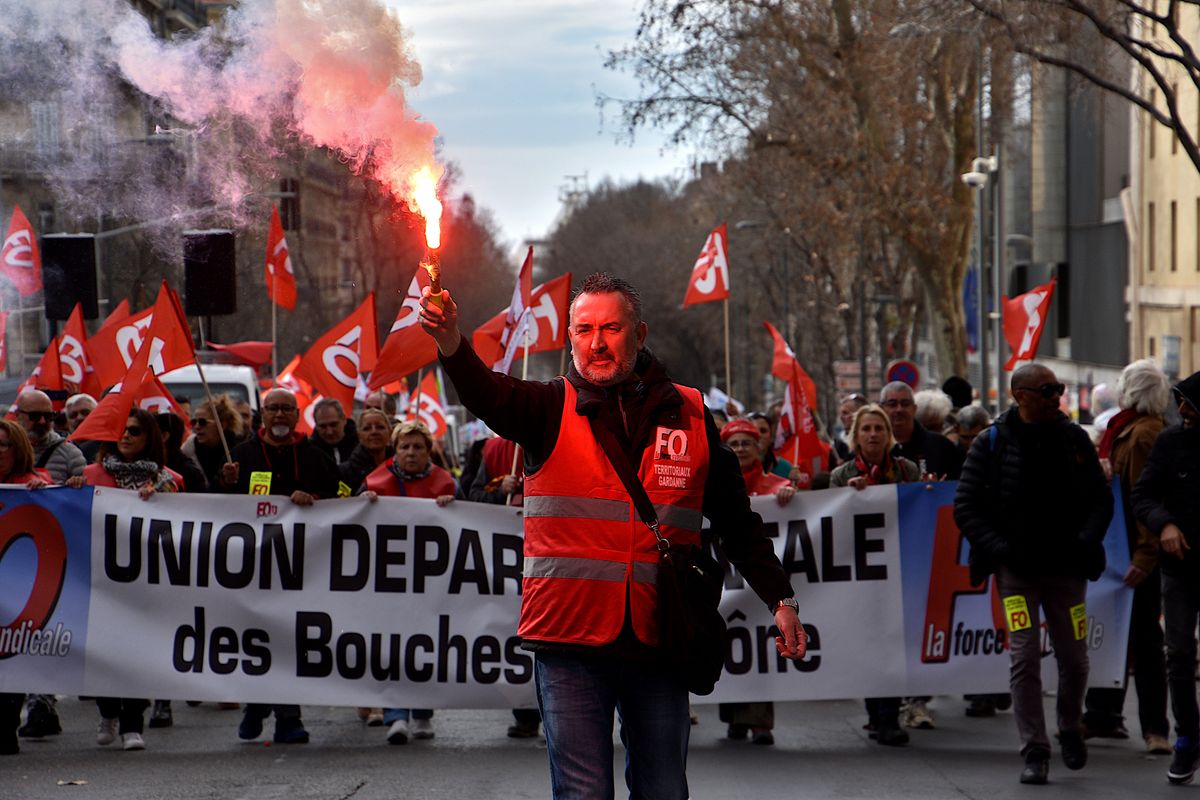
887, 472
1118, 423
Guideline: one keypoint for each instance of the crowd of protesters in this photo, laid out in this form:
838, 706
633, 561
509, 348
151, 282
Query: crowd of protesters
1033, 500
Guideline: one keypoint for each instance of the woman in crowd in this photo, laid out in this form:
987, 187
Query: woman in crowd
742, 437
772, 464
1143, 394
205, 445
373, 448
137, 462
16, 467
873, 464
410, 473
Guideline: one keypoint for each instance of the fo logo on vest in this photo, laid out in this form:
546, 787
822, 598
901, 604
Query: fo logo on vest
671, 444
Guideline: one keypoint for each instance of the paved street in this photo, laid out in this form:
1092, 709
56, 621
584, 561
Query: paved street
821, 752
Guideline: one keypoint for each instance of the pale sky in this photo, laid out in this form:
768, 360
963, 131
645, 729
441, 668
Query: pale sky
511, 85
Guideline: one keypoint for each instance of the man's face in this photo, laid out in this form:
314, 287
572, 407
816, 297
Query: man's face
901, 410
77, 412
331, 426
846, 412
36, 414
966, 435
1191, 417
247, 414
605, 338
374, 400
280, 415
1038, 395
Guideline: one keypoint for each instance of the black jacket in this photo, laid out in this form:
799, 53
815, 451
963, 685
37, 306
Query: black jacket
1032, 497
530, 413
338, 453
1168, 490
298, 465
355, 469
932, 453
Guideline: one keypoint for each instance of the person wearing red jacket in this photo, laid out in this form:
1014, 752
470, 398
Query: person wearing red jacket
410, 473
589, 607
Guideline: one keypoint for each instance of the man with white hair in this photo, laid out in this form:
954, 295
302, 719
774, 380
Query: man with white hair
77, 409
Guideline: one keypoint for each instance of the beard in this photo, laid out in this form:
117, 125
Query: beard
280, 431
607, 373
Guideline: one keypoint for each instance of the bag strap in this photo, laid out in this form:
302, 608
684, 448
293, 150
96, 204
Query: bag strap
45, 457
637, 492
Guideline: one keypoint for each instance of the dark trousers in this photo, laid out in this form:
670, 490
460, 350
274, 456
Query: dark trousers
127, 711
285, 714
883, 710
1105, 707
1181, 606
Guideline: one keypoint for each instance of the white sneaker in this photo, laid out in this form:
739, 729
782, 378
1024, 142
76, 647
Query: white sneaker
106, 733
421, 728
916, 715
398, 732
133, 741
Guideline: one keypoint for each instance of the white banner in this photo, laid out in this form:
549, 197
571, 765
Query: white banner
400, 603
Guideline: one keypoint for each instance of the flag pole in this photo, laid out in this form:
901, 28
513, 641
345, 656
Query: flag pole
728, 370
517, 450
274, 341
213, 405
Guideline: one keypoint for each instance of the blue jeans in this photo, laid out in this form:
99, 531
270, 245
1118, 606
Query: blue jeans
391, 715
577, 697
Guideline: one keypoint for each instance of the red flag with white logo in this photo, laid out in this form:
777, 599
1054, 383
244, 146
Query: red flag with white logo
786, 367
278, 274
710, 275
796, 437
518, 317
426, 406
106, 423
550, 303
156, 398
77, 372
47, 376
407, 347
252, 354
118, 314
112, 348
1024, 318
20, 260
332, 364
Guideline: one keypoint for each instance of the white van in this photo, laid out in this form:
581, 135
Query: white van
238, 381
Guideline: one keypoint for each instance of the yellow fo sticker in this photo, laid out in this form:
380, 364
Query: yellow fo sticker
343, 489
1079, 620
260, 482
1017, 612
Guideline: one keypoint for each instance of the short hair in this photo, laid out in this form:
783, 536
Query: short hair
222, 410
154, 449
933, 406
1022, 373
389, 402
605, 283
22, 450
408, 428
856, 398
973, 416
329, 402
959, 389
75, 398
878, 410
1105, 397
1144, 387
374, 412
895, 386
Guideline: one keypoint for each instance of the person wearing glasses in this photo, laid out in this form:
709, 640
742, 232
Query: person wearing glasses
63, 460
279, 461
1035, 505
137, 461
204, 446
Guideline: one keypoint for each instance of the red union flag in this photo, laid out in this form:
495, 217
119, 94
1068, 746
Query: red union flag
77, 372
332, 364
278, 274
106, 423
112, 348
796, 437
303, 392
3, 341
1024, 317
19, 257
549, 304
47, 376
710, 275
407, 347
426, 406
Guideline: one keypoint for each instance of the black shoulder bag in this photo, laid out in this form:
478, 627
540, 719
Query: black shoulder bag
692, 639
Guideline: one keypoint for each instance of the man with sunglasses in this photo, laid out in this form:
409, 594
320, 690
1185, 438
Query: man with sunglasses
1034, 504
62, 460
1166, 499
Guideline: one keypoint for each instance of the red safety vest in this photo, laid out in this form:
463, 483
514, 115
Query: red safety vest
383, 482
586, 549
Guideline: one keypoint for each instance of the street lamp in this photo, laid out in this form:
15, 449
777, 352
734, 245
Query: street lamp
980, 178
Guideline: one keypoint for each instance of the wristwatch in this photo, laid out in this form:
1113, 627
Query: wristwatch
790, 602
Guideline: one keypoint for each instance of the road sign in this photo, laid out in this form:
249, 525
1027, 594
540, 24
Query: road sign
904, 370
